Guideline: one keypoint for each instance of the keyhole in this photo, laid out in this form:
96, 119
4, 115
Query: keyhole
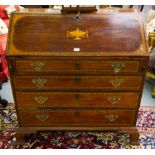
77, 114
77, 65
78, 16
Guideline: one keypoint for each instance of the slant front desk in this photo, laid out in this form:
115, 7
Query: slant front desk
77, 73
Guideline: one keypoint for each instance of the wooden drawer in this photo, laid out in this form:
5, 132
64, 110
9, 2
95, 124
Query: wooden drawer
78, 82
73, 99
60, 117
71, 66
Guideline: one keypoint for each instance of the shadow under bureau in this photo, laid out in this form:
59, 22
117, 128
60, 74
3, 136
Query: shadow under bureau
70, 73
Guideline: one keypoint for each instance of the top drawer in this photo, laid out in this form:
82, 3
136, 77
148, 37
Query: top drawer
77, 66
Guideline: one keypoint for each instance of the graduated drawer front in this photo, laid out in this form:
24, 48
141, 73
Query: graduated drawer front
111, 66
78, 82
73, 99
60, 117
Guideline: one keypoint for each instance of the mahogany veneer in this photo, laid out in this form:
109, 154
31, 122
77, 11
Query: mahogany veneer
70, 73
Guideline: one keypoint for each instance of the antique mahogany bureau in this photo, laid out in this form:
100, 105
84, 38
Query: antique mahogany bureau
77, 72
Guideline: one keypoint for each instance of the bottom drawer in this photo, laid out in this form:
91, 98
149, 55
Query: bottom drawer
83, 118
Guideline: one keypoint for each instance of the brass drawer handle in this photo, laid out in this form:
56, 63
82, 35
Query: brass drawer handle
39, 82
77, 96
77, 65
37, 66
42, 117
117, 67
116, 82
111, 117
40, 99
114, 99
77, 80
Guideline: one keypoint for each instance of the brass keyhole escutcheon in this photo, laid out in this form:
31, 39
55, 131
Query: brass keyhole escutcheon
77, 96
77, 65
77, 80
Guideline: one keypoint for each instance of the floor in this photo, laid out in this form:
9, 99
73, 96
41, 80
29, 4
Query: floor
6, 92
147, 100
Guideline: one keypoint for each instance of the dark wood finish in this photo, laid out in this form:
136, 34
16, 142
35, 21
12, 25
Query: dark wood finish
134, 137
47, 33
97, 88
78, 82
134, 134
77, 66
132, 131
76, 117
78, 8
77, 99
111, 35
21, 135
